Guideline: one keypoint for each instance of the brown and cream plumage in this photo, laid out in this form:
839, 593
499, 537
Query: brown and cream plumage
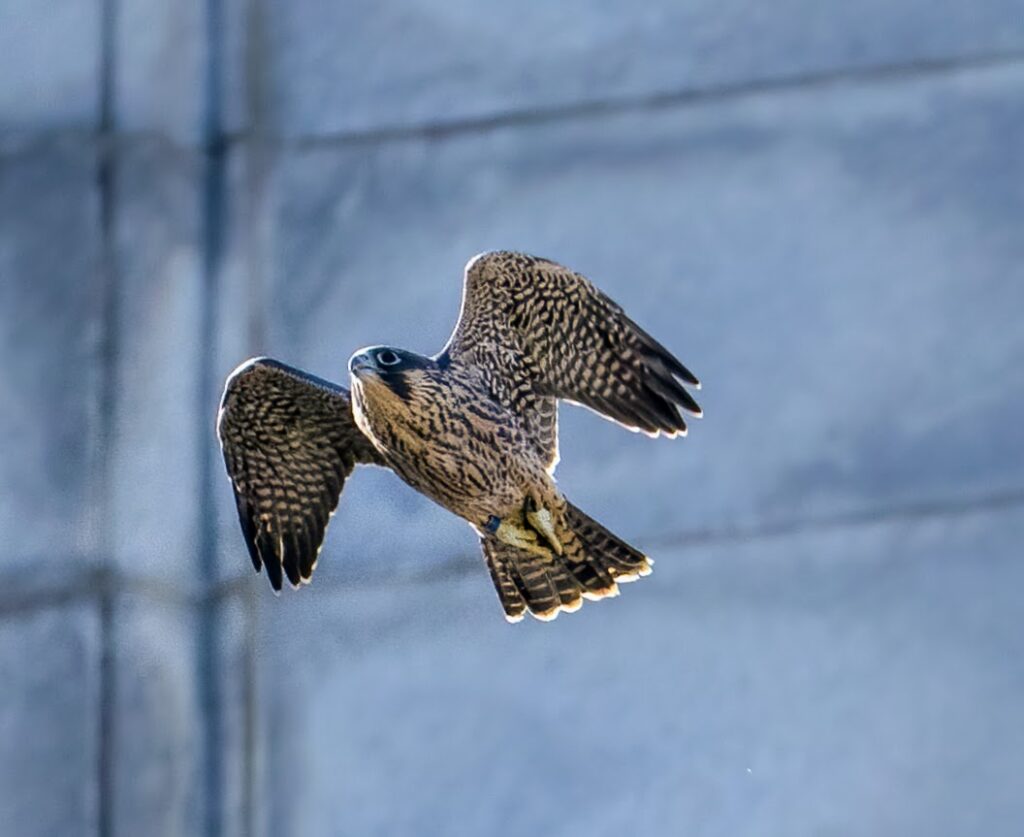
474, 428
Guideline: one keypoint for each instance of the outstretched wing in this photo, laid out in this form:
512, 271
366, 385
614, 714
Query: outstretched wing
541, 331
289, 442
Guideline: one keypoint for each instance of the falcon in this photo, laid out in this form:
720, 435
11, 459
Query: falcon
474, 428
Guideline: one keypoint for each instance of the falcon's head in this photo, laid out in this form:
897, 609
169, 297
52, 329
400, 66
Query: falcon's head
394, 391
397, 369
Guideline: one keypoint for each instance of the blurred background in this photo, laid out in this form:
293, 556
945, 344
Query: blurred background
819, 206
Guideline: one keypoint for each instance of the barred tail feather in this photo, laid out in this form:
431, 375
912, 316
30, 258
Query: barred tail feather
594, 546
528, 582
594, 562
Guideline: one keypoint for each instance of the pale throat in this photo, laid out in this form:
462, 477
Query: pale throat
380, 412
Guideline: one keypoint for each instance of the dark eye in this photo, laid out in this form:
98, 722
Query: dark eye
388, 358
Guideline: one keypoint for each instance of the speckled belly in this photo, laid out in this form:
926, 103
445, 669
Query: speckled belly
454, 444
468, 476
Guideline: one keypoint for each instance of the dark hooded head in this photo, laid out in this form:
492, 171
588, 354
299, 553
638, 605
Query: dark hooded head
397, 369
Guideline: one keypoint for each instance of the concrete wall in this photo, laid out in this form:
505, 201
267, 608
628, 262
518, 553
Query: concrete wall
819, 207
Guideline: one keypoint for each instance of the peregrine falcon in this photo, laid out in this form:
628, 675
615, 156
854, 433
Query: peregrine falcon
474, 428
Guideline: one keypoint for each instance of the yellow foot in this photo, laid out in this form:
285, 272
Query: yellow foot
540, 519
520, 538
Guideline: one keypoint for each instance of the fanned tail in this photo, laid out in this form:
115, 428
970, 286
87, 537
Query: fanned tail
593, 563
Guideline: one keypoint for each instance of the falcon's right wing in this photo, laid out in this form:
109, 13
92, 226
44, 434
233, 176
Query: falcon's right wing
542, 331
289, 442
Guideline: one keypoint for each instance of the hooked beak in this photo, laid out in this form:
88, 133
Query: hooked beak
362, 364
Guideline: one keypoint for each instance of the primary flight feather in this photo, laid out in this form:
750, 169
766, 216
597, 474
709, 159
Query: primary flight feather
474, 428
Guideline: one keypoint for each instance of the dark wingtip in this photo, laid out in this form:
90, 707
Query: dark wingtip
684, 373
292, 572
271, 562
653, 348
291, 559
677, 369
248, 530
274, 574
687, 403
670, 393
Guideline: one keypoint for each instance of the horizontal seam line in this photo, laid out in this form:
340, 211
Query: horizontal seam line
653, 101
845, 520
16, 142
99, 581
462, 566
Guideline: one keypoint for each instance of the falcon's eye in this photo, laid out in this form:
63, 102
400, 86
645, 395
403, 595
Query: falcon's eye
388, 358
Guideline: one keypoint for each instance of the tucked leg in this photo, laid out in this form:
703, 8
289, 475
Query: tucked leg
521, 538
542, 520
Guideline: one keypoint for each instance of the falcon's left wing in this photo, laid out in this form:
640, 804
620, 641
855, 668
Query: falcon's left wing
289, 442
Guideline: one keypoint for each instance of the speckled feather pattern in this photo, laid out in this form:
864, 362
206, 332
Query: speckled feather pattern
289, 443
474, 428
539, 330
449, 439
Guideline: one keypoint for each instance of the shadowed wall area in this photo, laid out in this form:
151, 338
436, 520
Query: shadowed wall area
818, 206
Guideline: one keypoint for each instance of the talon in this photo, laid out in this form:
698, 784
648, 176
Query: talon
520, 538
540, 519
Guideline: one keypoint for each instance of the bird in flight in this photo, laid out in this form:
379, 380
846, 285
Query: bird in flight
474, 428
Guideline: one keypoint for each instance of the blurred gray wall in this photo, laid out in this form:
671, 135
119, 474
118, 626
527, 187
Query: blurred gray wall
818, 205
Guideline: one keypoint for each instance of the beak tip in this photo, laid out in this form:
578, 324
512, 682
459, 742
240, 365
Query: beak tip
359, 363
